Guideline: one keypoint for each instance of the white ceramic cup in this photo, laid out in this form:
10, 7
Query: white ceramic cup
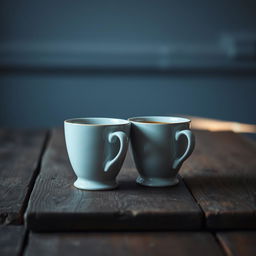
160, 144
96, 149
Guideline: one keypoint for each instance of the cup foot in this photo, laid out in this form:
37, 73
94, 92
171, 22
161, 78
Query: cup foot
157, 182
94, 185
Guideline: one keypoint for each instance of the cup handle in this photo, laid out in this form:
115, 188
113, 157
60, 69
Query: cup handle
190, 146
123, 145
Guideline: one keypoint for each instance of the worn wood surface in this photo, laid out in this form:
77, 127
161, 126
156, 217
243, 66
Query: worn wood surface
56, 205
158, 243
19, 156
11, 240
221, 174
238, 243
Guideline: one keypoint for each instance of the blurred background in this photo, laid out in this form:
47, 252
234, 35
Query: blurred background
63, 59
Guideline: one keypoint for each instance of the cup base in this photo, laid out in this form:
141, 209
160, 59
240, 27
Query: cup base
157, 182
95, 185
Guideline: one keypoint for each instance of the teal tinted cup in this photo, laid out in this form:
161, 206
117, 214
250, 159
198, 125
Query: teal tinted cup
96, 148
160, 145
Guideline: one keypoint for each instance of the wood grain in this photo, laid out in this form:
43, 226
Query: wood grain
238, 243
221, 174
19, 156
56, 205
126, 244
11, 240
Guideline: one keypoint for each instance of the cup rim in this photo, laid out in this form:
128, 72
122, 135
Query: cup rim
175, 120
109, 121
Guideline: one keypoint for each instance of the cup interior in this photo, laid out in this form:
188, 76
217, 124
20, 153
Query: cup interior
159, 120
97, 121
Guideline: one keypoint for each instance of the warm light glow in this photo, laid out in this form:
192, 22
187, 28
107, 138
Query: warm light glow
218, 125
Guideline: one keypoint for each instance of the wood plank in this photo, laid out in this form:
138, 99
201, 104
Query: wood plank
19, 155
221, 174
11, 240
56, 205
158, 243
238, 243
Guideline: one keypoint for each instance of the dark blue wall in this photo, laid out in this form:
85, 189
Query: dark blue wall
63, 59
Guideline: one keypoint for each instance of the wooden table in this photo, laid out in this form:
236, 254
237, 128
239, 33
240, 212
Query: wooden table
211, 212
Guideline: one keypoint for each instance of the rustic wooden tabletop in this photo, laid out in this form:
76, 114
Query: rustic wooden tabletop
212, 211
